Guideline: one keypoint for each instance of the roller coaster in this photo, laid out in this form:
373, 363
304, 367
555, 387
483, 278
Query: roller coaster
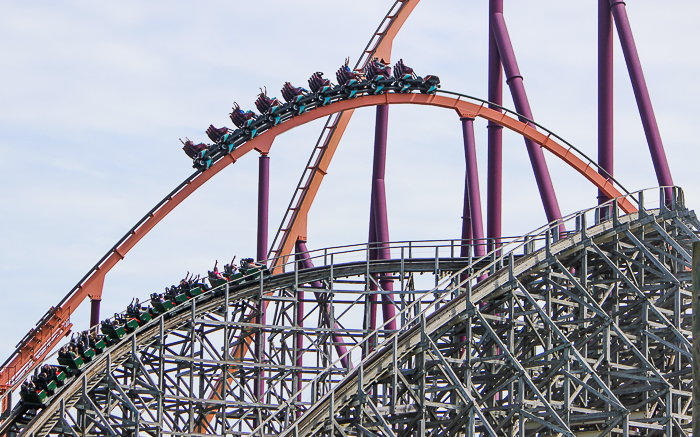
579, 328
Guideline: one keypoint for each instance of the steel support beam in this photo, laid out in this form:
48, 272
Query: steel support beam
494, 188
95, 312
641, 94
605, 94
378, 214
472, 192
263, 205
338, 340
515, 81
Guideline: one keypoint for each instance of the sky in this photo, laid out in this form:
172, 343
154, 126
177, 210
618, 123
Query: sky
95, 95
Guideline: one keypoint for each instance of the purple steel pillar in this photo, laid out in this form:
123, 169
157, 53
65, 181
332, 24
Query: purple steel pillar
378, 215
641, 93
494, 188
263, 204
472, 192
371, 318
605, 93
95, 312
338, 341
517, 89
467, 234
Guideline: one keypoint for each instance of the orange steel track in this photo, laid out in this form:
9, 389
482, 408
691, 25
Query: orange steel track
47, 334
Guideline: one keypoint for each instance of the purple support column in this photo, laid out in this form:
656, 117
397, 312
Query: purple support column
515, 81
641, 93
95, 312
263, 204
494, 188
605, 93
373, 287
338, 340
467, 234
472, 192
378, 211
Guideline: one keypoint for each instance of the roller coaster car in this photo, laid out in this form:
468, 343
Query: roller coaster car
139, 314
250, 271
131, 324
99, 345
247, 121
254, 273
74, 363
114, 332
379, 76
195, 291
323, 88
34, 398
145, 317
297, 97
430, 84
161, 305
204, 159
59, 374
216, 282
270, 108
48, 386
181, 298
215, 133
406, 79
234, 277
88, 354
193, 150
349, 81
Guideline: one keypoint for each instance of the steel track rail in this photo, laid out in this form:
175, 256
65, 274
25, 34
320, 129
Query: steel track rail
207, 302
212, 300
33, 347
376, 364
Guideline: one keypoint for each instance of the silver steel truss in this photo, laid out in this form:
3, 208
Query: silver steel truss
580, 334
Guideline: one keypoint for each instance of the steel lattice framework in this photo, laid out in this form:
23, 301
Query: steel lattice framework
585, 333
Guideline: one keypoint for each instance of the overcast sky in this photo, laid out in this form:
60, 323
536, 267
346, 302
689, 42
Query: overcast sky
94, 96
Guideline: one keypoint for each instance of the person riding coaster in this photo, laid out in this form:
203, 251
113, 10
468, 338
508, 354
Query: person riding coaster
230, 269
322, 87
297, 97
191, 149
240, 117
406, 78
216, 133
269, 107
379, 75
245, 120
350, 82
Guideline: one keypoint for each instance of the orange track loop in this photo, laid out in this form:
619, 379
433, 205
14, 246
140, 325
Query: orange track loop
262, 143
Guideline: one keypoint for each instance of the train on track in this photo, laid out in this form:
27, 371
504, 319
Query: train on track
376, 78
73, 358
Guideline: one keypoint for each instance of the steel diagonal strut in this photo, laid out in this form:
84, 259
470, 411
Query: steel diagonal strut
494, 193
641, 93
515, 81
